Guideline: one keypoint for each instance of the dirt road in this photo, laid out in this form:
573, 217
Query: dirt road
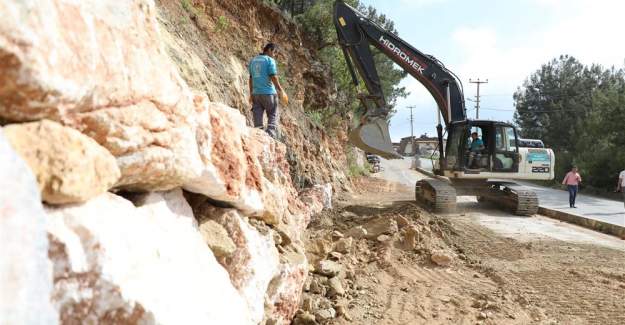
478, 266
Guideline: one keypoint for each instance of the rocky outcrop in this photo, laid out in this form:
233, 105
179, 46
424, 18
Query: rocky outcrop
75, 62
25, 271
112, 113
69, 166
117, 263
254, 262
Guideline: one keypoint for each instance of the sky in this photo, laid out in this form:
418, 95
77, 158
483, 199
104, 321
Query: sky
502, 41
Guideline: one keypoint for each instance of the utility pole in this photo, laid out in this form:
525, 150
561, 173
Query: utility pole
411, 129
477, 97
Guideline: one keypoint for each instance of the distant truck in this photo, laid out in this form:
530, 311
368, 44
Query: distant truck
531, 143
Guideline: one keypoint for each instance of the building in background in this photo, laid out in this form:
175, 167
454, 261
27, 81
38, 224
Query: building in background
423, 145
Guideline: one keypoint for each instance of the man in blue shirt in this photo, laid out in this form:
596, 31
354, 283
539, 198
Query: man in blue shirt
476, 147
263, 83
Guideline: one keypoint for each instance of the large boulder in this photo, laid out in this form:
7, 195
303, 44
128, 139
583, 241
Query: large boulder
253, 264
285, 290
117, 263
25, 271
77, 63
69, 166
229, 173
62, 58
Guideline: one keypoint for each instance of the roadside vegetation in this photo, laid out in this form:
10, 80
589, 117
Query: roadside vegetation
578, 111
315, 19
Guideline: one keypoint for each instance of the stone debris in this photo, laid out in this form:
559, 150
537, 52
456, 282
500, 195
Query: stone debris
336, 235
380, 226
344, 245
328, 268
336, 288
357, 232
217, 238
305, 318
325, 314
383, 238
441, 258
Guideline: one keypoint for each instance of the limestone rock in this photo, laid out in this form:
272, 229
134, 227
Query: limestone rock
410, 237
254, 262
336, 288
380, 226
286, 287
357, 232
117, 87
148, 264
229, 173
441, 258
328, 268
216, 236
325, 314
383, 238
344, 245
25, 271
69, 166
318, 195
305, 318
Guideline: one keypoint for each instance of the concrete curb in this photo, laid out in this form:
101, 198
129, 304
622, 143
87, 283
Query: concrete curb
604, 227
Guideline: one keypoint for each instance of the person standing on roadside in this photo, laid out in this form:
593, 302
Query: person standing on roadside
620, 187
572, 181
263, 83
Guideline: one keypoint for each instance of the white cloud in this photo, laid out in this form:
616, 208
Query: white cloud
589, 31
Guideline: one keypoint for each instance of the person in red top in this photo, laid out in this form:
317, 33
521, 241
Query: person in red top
572, 180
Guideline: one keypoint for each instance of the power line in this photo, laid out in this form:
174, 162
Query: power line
477, 97
531, 111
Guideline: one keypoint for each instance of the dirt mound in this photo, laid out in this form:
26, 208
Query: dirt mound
392, 264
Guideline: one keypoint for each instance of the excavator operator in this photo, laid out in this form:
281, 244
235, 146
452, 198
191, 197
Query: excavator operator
477, 145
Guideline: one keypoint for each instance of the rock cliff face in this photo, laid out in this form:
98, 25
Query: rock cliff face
133, 188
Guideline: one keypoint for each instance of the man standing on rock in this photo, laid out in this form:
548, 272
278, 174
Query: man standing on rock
263, 83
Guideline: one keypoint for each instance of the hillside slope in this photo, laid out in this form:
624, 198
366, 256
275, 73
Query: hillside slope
212, 42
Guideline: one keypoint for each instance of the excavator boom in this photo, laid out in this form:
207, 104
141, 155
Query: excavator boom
356, 34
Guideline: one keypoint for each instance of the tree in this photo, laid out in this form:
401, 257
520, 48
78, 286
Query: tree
317, 22
578, 111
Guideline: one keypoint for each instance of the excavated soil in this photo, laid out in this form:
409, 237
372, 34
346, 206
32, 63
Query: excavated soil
414, 267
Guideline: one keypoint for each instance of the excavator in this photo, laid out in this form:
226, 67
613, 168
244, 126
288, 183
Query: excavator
487, 172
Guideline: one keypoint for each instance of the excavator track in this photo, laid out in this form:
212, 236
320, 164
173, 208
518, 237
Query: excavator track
525, 201
439, 195
520, 199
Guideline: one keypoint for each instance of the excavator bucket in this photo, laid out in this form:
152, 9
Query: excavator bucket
373, 137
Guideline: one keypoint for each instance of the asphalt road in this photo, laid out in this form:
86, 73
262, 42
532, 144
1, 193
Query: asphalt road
520, 228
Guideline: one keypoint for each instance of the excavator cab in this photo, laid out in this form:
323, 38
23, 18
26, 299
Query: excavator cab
477, 146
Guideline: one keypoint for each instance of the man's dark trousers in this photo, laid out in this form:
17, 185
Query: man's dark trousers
266, 104
572, 194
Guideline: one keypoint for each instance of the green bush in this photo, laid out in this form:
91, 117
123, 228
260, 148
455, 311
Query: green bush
223, 23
